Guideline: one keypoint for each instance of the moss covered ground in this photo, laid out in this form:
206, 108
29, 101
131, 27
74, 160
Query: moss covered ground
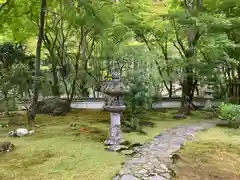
57, 152
215, 156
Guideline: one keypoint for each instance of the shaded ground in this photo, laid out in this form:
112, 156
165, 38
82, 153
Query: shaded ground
216, 156
57, 152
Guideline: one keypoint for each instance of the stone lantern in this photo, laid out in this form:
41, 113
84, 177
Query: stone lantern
209, 96
115, 91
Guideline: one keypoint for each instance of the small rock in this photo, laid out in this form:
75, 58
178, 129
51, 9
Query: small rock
157, 178
178, 140
148, 166
129, 177
153, 174
163, 167
142, 171
6, 146
154, 161
166, 175
128, 152
117, 148
124, 171
160, 171
138, 175
137, 161
135, 167
116, 178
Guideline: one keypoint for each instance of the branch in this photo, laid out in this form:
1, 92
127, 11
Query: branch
177, 35
87, 59
51, 11
73, 87
91, 50
145, 40
204, 55
164, 49
179, 50
160, 72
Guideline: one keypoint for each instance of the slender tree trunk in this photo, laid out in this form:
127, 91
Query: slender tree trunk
6, 105
170, 92
32, 113
55, 85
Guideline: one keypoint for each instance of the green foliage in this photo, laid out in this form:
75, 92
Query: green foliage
137, 100
82, 35
11, 53
13, 71
19, 19
230, 113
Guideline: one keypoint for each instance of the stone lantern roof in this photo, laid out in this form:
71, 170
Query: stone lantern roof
115, 87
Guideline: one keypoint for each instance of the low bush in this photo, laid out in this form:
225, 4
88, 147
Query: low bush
138, 101
230, 113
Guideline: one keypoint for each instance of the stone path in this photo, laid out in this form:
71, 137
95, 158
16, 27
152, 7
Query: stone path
152, 159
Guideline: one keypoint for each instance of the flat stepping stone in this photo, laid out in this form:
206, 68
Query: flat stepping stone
152, 158
157, 178
128, 177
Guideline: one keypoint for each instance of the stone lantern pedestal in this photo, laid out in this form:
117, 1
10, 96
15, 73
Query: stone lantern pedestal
115, 90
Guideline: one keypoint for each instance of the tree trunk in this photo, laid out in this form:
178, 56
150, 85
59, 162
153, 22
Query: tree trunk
170, 91
94, 92
32, 113
55, 86
6, 105
187, 87
68, 105
238, 72
193, 36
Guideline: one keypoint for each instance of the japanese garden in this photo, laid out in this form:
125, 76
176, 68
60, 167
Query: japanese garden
119, 89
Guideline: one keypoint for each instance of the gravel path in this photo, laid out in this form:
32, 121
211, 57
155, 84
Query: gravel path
152, 159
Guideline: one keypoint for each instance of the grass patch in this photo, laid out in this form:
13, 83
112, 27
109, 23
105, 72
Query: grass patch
216, 156
58, 152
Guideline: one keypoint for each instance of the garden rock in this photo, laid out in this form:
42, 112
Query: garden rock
6, 146
129, 177
117, 148
51, 106
152, 159
58, 112
20, 132
128, 152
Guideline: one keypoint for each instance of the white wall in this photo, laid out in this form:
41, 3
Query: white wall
87, 105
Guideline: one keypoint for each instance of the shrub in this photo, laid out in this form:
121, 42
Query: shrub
230, 113
138, 101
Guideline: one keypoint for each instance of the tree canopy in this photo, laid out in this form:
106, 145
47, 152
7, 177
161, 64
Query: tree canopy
175, 44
